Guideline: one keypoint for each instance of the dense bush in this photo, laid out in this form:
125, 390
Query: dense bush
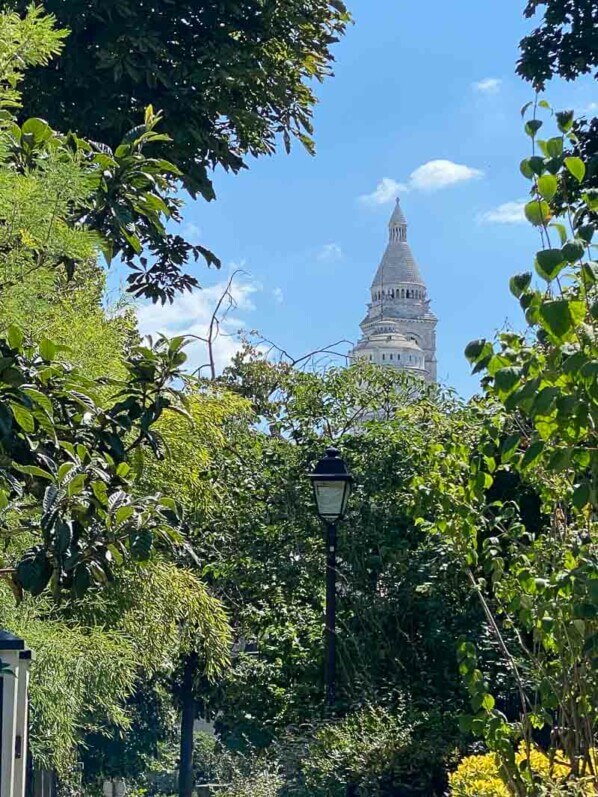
480, 776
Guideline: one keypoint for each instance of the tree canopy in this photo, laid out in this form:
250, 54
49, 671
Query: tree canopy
565, 43
230, 77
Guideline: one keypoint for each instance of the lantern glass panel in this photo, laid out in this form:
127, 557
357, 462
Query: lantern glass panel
331, 498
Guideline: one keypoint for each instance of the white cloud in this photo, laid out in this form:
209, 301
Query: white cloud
386, 191
278, 295
191, 232
190, 314
330, 253
436, 174
507, 213
489, 85
589, 109
430, 176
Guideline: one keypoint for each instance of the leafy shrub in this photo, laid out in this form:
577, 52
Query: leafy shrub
251, 776
479, 776
379, 750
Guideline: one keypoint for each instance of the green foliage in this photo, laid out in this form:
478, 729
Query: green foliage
563, 44
536, 581
79, 679
74, 196
231, 77
365, 748
68, 452
27, 41
165, 611
261, 549
62, 197
251, 777
72, 313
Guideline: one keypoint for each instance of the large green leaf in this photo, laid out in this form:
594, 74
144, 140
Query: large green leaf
549, 263
39, 130
538, 212
23, 417
520, 283
560, 316
547, 186
577, 168
34, 572
507, 379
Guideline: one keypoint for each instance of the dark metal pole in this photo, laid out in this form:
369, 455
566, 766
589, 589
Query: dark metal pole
330, 672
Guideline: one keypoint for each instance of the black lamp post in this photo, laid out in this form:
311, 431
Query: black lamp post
332, 486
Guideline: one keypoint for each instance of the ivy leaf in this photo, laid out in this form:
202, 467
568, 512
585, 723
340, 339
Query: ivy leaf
538, 212
586, 232
576, 167
51, 498
555, 146
581, 495
64, 537
549, 263
33, 470
573, 251
122, 514
560, 316
532, 453
526, 169
525, 107
547, 186
564, 120
507, 379
81, 579
474, 349
590, 272
509, 446
141, 542
532, 126
560, 459
520, 283
40, 399
34, 572
562, 231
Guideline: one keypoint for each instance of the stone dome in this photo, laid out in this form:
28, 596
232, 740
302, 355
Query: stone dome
398, 266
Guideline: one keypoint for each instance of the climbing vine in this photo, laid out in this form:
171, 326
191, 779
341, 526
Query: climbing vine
536, 577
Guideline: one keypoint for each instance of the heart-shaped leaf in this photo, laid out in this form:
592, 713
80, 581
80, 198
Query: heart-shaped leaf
538, 212
549, 263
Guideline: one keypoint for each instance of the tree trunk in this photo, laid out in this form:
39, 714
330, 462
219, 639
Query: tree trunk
187, 724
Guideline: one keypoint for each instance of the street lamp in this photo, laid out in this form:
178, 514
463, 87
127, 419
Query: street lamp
332, 486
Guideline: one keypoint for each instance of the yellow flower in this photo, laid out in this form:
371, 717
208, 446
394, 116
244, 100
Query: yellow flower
479, 775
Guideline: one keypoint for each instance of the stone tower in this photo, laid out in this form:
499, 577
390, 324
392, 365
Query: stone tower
399, 329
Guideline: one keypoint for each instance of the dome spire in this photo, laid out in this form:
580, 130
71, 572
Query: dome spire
398, 266
397, 226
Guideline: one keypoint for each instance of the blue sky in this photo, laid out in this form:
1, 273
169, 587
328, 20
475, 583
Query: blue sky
414, 83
